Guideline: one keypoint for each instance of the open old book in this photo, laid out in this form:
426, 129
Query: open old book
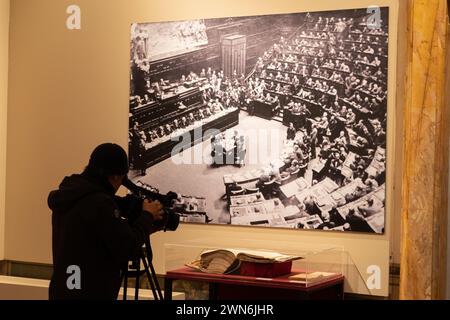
226, 261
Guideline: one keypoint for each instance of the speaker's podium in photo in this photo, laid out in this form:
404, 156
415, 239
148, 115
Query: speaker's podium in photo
234, 54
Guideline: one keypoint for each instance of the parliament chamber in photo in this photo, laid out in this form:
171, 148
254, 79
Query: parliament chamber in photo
319, 80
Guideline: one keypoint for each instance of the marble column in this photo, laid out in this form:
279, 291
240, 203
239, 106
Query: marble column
426, 141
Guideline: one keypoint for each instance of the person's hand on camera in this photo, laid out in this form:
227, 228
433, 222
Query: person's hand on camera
155, 208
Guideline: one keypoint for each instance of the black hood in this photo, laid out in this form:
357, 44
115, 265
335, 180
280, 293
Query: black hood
74, 188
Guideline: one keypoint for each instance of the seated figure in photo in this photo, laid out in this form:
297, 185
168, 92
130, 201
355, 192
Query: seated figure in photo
291, 132
153, 134
335, 165
327, 221
371, 185
176, 124
361, 142
283, 175
184, 122
167, 129
160, 131
239, 151
217, 151
357, 194
191, 118
310, 205
181, 105
357, 222
233, 187
294, 167
217, 106
163, 82
359, 161
263, 179
341, 140
198, 115
350, 118
207, 112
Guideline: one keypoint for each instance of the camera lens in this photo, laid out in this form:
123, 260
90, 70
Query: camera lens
173, 220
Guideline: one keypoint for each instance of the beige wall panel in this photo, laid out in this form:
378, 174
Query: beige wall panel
4, 45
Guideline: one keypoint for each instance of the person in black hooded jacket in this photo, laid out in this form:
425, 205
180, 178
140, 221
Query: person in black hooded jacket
89, 232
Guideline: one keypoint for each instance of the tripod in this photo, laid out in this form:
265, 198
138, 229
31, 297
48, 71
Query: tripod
133, 269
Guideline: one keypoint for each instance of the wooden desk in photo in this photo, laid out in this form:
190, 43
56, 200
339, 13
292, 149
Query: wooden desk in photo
163, 148
244, 178
337, 198
291, 189
376, 221
378, 164
327, 186
263, 109
236, 287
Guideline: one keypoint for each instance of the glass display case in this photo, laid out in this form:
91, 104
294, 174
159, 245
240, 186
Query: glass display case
305, 265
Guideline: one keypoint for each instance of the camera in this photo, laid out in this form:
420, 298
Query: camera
171, 219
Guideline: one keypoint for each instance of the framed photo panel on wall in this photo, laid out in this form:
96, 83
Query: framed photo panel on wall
266, 121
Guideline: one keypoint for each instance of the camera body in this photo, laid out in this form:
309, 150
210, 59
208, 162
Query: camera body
171, 219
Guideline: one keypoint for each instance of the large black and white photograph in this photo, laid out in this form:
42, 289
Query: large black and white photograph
266, 121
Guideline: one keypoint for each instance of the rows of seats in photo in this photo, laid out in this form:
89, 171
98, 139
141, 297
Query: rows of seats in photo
318, 78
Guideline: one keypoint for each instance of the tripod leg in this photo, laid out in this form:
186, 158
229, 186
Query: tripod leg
156, 295
137, 284
125, 284
147, 257
168, 289
155, 279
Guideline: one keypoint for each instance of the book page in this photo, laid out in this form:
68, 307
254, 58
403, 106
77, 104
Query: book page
311, 277
256, 254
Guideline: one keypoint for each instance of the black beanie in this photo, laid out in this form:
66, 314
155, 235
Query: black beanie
108, 159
